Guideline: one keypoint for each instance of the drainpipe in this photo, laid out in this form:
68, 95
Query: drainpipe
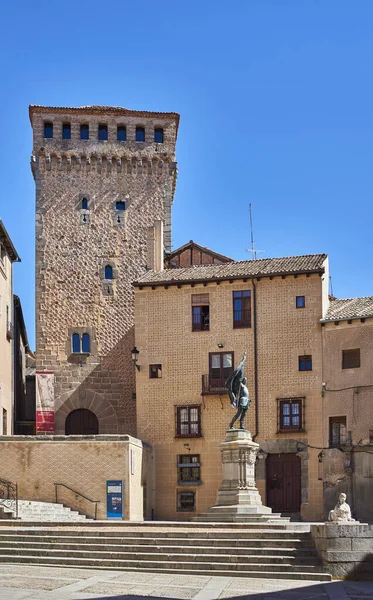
256, 386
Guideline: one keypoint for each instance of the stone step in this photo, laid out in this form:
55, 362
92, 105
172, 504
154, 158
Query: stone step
219, 546
170, 553
272, 571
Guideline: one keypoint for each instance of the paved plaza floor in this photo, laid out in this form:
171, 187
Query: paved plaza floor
18, 582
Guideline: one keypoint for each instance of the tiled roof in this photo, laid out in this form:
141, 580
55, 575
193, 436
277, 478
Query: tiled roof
350, 308
193, 244
8, 244
311, 263
126, 112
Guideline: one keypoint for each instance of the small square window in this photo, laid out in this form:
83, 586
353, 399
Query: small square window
121, 133
155, 371
351, 359
48, 130
84, 132
290, 414
66, 131
120, 205
102, 133
186, 501
188, 469
300, 302
305, 363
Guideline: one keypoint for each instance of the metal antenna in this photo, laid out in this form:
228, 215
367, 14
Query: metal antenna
252, 250
330, 286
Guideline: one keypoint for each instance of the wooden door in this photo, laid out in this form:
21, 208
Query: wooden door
81, 422
283, 482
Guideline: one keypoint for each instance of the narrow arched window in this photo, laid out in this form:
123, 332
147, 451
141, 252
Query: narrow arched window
108, 272
158, 135
86, 343
76, 342
84, 204
120, 205
102, 132
140, 134
121, 133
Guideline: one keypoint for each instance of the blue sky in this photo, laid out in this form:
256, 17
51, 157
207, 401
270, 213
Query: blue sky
275, 98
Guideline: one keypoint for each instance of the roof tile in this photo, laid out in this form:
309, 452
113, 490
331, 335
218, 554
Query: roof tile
350, 308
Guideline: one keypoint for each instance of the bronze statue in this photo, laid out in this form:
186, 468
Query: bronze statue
238, 393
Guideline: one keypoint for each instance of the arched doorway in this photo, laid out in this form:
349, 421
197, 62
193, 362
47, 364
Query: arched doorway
81, 422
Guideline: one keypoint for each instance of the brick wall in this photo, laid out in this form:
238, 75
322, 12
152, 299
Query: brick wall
164, 336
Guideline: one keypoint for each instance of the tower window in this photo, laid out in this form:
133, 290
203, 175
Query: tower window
102, 133
86, 343
120, 205
140, 134
108, 272
84, 204
76, 342
84, 132
66, 131
158, 135
48, 130
121, 133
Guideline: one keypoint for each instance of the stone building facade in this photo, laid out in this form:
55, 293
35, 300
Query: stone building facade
192, 327
347, 465
104, 176
8, 255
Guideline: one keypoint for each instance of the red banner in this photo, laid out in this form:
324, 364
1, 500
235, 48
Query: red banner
44, 420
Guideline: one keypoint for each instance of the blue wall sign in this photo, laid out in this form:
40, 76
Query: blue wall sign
114, 499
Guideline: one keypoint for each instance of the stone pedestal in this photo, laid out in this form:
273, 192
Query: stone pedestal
238, 498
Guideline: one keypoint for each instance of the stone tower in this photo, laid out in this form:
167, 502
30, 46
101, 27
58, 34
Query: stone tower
104, 177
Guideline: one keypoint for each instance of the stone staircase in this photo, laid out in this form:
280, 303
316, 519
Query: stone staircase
43, 511
245, 551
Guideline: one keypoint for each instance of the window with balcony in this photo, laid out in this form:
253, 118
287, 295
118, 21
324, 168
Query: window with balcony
220, 367
188, 421
337, 432
242, 309
200, 312
290, 413
186, 501
188, 469
305, 363
351, 359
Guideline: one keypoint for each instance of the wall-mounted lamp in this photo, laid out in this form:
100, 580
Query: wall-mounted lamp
220, 345
135, 356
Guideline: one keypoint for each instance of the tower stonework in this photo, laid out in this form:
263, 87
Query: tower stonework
97, 201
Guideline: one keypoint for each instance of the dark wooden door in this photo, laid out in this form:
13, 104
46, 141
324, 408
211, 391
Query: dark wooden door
81, 422
283, 482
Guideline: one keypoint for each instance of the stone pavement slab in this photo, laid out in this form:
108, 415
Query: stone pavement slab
27, 582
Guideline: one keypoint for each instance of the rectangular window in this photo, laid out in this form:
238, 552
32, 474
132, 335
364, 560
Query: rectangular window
84, 132
300, 302
66, 131
337, 431
221, 366
200, 312
140, 134
186, 501
121, 133
5, 422
48, 130
102, 133
242, 309
188, 469
305, 363
290, 414
158, 135
351, 359
188, 421
155, 371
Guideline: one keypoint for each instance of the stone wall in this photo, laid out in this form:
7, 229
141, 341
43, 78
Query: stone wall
36, 463
346, 550
73, 245
164, 336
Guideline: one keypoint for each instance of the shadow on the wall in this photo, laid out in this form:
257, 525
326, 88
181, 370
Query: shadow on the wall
364, 570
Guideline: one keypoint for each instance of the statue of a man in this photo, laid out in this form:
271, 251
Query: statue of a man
238, 393
341, 512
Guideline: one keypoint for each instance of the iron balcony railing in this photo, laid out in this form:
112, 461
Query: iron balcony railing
213, 386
